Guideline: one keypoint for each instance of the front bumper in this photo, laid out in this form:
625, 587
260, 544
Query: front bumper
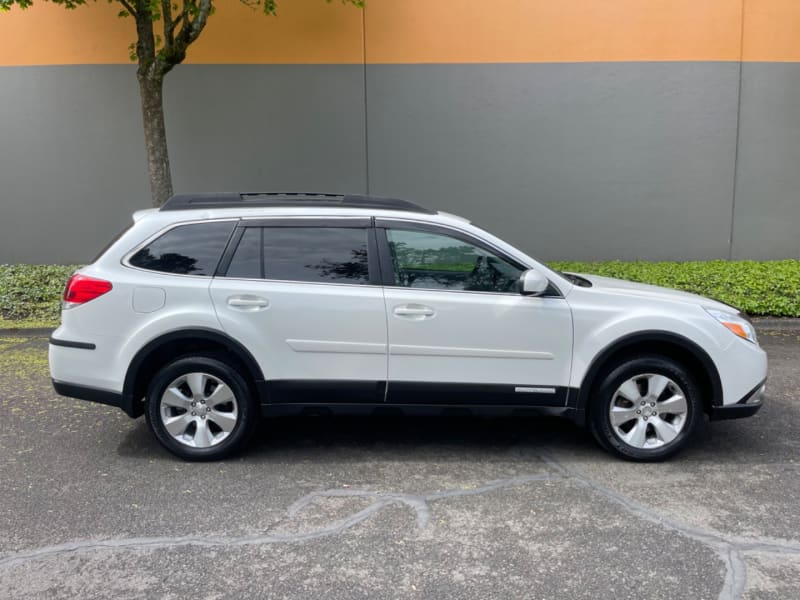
749, 405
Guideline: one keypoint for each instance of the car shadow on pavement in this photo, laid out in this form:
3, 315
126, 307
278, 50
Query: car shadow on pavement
331, 439
398, 435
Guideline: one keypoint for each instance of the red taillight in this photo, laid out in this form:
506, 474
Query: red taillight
81, 288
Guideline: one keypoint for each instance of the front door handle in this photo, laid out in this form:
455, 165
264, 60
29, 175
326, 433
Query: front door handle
248, 303
414, 311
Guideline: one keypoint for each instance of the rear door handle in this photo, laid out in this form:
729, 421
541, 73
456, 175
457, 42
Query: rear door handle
248, 303
414, 311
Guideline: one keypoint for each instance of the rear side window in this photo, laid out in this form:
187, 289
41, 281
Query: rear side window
314, 254
186, 250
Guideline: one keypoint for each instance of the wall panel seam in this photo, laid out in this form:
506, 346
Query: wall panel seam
738, 127
366, 108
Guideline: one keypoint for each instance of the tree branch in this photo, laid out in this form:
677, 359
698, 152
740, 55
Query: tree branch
192, 28
192, 20
166, 15
199, 22
128, 6
145, 43
175, 24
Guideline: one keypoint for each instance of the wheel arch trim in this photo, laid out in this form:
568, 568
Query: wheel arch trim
626, 341
187, 334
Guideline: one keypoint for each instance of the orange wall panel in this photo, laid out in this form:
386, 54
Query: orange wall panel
772, 30
305, 31
475, 31
428, 31
47, 34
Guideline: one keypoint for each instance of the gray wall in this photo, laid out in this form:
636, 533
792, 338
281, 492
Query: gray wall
569, 161
72, 161
767, 208
585, 161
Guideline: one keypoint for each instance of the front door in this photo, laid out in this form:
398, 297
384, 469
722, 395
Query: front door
304, 296
460, 332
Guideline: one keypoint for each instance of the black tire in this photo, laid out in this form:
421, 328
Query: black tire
599, 409
245, 406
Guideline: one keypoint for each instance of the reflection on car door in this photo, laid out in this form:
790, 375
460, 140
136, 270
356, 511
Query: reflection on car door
304, 297
460, 332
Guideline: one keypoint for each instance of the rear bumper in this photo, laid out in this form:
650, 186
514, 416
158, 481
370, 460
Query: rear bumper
749, 405
91, 394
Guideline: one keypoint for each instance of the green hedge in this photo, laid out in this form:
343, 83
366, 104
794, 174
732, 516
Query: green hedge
765, 288
30, 294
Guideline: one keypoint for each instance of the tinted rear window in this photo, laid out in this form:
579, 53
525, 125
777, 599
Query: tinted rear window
316, 254
186, 250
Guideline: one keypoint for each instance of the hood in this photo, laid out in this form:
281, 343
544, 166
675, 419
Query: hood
643, 290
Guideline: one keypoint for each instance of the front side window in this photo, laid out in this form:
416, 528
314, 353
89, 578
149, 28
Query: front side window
430, 260
314, 254
193, 249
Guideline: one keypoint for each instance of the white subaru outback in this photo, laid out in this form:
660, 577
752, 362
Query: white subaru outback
217, 309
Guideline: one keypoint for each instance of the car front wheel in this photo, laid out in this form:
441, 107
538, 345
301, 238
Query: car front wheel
645, 409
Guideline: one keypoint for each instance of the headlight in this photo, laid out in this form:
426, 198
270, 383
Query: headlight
736, 323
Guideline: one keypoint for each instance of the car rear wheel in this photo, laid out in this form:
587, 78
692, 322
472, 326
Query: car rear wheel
645, 409
200, 408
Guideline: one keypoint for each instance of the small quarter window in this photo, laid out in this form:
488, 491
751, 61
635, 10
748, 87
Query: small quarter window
193, 249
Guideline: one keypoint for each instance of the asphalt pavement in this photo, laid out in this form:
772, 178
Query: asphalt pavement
92, 507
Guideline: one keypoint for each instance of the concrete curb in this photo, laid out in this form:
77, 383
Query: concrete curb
776, 323
30, 332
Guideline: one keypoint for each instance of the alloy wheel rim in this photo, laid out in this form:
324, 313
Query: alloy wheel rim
199, 410
648, 411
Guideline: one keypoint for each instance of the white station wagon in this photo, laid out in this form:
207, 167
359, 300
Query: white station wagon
214, 310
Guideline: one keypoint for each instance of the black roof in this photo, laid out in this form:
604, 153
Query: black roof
287, 199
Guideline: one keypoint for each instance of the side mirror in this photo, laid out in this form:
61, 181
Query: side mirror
533, 283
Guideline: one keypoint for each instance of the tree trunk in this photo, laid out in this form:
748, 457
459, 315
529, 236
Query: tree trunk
151, 86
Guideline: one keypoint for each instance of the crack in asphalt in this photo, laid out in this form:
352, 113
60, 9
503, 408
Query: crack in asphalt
730, 549
417, 502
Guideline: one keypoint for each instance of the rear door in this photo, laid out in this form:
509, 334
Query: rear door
460, 332
304, 296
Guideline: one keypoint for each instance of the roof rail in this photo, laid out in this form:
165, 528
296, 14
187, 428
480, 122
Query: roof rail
287, 199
